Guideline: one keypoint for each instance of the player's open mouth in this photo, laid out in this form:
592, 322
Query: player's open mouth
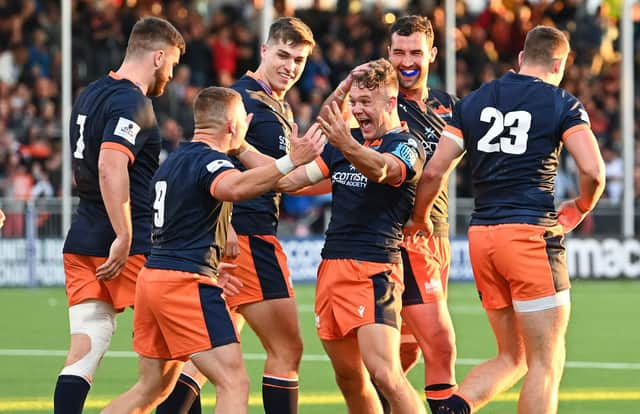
365, 124
409, 73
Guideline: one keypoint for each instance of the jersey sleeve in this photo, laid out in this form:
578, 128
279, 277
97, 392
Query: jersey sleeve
130, 123
453, 129
410, 153
574, 116
213, 168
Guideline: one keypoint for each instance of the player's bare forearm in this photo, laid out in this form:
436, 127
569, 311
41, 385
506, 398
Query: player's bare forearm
429, 186
320, 188
252, 158
378, 167
294, 181
114, 187
583, 147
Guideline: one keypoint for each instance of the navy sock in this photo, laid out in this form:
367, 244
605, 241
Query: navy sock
436, 393
184, 399
279, 395
453, 405
70, 394
386, 408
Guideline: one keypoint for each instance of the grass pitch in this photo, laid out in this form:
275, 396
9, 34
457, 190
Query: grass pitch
602, 373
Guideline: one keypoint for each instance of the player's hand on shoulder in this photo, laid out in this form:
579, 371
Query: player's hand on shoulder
118, 255
2, 218
335, 127
569, 215
305, 149
229, 284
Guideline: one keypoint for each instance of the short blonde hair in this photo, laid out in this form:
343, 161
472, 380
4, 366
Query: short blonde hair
543, 45
212, 106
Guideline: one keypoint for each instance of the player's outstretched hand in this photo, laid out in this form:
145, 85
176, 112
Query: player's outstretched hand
306, 149
570, 215
229, 284
413, 228
232, 246
335, 127
118, 255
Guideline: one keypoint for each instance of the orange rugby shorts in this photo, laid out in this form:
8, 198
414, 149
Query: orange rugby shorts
426, 269
81, 283
517, 262
262, 267
354, 293
178, 314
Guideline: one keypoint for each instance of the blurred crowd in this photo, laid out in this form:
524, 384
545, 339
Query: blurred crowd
223, 43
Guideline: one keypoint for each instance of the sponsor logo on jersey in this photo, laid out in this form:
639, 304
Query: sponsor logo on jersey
127, 129
214, 166
407, 153
433, 285
284, 144
353, 178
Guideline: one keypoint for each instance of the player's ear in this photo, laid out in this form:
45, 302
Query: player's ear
520, 58
158, 57
391, 103
433, 54
231, 126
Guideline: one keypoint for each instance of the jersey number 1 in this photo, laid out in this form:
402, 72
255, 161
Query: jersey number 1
519, 123
158, 203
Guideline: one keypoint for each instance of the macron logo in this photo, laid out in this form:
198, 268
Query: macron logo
127, 129
361, 310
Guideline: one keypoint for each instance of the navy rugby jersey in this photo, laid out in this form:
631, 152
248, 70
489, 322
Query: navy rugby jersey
185, 215
111, 113
367, 217
513, 129
428, 125
269, 133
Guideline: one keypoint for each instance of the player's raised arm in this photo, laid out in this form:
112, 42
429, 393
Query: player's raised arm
374, 94
341, 93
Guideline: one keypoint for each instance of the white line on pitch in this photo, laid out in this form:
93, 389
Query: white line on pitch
312, 358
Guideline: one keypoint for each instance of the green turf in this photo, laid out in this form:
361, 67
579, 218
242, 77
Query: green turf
604, 328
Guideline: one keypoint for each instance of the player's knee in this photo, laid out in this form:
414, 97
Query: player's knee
350, 382
286, 356
235, 381
442, 346
515, 360
95, 322
387, 379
